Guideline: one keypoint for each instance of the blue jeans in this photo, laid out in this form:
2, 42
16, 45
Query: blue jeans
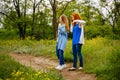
57, 51
76, 50
60, 56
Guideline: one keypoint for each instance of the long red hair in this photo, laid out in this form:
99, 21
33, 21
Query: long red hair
76, 17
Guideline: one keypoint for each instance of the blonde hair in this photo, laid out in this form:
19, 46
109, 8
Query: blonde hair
65, 21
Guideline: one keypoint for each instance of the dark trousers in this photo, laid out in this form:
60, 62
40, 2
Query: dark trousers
76, 50
60, 56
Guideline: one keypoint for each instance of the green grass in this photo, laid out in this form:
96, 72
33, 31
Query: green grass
112, 69
99, 54
12, 70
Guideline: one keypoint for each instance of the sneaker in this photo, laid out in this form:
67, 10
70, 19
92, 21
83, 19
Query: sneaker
64, 65
57, 67
80, 68
71, 69
60, 67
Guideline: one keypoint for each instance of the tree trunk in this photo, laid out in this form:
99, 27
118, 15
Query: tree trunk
24, 29
33, 20
21, 29
55, 22
21, 32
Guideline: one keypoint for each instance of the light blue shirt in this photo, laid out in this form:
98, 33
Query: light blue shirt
62, 37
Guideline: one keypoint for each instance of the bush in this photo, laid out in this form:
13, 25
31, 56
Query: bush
94, 31
8, 34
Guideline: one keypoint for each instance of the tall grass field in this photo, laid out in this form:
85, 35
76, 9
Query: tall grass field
100, 55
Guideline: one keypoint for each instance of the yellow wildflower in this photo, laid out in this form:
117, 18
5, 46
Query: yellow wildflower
22, 78
47, 79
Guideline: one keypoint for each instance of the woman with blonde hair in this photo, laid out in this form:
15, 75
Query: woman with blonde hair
77, 40
63, 29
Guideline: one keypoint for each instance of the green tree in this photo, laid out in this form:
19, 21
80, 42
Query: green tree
15, 6
35, 5
113, 9
54, 4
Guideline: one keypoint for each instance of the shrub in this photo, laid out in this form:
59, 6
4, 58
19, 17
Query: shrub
8, 34
94, 31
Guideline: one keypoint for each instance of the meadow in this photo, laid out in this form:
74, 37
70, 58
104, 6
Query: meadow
101, 56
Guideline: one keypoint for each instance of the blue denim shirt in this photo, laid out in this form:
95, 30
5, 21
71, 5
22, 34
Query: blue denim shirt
62, 37
76, 34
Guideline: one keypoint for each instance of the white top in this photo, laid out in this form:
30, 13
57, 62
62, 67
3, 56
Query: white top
80, 21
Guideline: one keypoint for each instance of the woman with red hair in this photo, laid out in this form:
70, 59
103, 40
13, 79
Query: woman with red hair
77, 40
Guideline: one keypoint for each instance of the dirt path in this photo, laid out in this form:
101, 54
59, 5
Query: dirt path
43, 63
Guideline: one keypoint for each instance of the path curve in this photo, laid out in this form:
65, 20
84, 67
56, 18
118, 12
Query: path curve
43, 62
